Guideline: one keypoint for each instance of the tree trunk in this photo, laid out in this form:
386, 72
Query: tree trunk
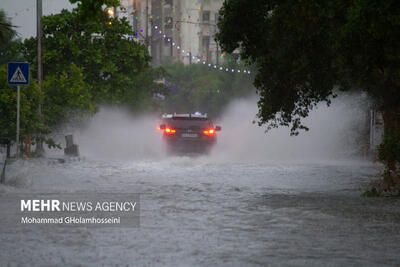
28, 142
391, 119
8, 149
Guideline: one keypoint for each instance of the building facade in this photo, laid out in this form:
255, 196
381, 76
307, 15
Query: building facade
175, 30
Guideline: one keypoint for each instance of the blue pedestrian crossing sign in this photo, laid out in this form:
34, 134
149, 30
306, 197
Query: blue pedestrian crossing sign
18, 73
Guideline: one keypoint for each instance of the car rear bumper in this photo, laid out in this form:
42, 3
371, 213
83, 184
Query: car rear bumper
189, 145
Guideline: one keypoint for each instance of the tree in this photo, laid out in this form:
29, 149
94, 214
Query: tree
304, 50
91, 10
86, 62
9, 44
8, 40
290, 42
64, 93
115, 66
370, 59
29, 117
199, 88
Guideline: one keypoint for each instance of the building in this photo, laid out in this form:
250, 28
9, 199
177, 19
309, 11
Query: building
175, 30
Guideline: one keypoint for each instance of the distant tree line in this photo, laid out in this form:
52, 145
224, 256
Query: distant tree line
195, 87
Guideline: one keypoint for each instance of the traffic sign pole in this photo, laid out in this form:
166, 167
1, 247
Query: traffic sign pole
18, 107
18, 73
39, 144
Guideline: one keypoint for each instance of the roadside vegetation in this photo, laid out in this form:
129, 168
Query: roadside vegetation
300, 51
196, 87
305, 50
90, 59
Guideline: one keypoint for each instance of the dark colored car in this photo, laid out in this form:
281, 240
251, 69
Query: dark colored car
186, 133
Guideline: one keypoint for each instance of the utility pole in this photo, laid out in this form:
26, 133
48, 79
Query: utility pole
134, 13
39, 146
190, 57
216, 52
18, 108
147, 24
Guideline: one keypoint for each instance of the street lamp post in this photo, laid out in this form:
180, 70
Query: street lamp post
39, 146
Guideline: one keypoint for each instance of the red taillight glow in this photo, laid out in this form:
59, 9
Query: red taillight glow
169, 130
209, 132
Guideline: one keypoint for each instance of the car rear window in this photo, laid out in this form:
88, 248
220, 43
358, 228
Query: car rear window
187, 123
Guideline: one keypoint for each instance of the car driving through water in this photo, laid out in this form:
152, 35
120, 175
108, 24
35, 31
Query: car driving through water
188, 133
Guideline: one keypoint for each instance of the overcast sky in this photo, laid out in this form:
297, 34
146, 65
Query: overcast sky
23, 13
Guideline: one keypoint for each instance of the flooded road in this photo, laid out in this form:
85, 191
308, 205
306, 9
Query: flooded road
259, 199
198, 212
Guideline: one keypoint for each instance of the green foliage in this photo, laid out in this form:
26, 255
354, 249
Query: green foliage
369, 55
305, 49
373, 192
290, 42
118, 68
8, 41
90, 10
89, 62
30, 99
30, 94
385, 187
6, 28
202, 89
88, 58
115, 67
64, 93
389, 149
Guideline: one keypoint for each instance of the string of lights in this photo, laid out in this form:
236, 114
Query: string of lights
170, 86
195, 58
188, 53
177, 47
198, 59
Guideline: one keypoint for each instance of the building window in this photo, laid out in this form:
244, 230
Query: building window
168, 46
169, 2
206, 43
168, 23
216, 18
206, 15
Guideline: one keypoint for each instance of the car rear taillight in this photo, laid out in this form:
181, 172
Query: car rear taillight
209, 132
169, 130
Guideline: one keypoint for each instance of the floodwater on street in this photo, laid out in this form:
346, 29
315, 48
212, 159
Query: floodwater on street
194, 212
247, 204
